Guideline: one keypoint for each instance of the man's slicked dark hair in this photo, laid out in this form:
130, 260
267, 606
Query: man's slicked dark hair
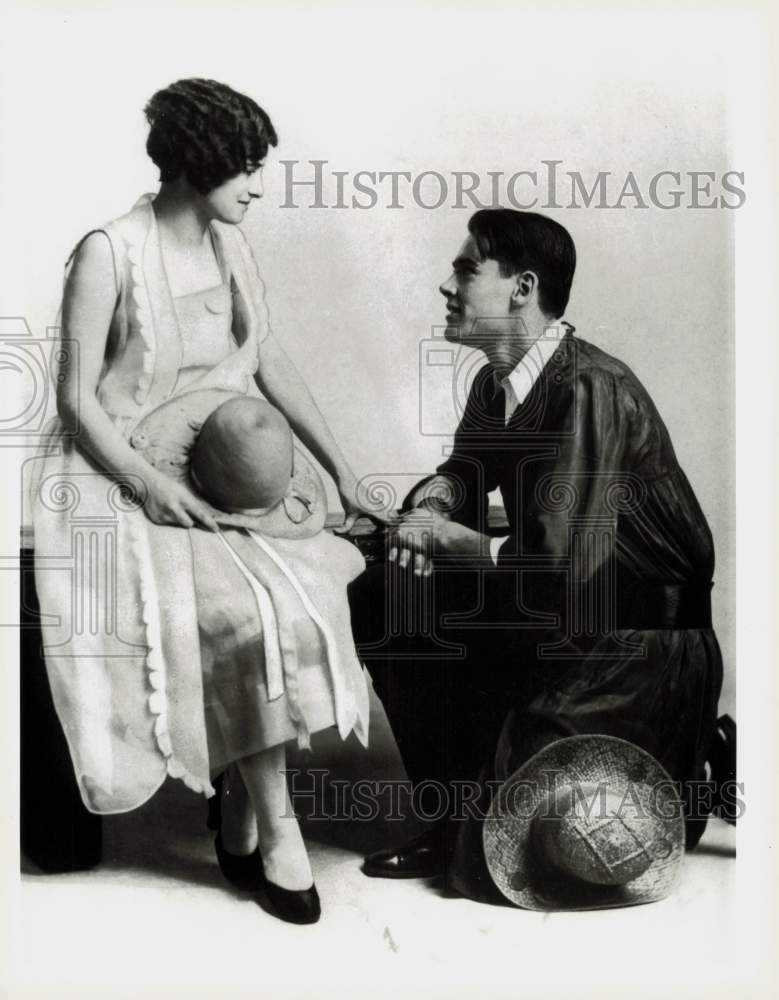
206, 132
526, 241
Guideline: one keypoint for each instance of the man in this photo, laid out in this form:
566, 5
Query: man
591, 615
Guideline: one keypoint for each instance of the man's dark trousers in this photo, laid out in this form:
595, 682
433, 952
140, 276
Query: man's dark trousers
446, 684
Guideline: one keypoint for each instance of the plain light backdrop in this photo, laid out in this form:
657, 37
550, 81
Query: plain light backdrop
353, 294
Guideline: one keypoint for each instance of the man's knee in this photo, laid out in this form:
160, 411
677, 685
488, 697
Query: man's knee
366, 596
390, 605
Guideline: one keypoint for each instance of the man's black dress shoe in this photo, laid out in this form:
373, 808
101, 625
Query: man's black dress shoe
423, 857
296, 906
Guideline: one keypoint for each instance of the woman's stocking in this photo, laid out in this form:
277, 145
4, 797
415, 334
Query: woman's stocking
284, 855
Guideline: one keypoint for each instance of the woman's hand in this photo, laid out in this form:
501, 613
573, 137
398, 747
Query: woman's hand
168, 502
281, 383
356, 504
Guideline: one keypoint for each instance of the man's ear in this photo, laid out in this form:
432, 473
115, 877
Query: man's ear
525, 284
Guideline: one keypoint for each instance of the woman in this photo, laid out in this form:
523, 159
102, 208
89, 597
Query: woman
166, 304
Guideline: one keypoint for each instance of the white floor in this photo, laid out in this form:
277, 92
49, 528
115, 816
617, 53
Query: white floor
157, 915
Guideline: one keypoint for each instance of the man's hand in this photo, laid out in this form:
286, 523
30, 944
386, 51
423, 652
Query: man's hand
413, 538
422, 534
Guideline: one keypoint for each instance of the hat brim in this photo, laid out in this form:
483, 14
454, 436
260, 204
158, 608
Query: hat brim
165, 437
526, 879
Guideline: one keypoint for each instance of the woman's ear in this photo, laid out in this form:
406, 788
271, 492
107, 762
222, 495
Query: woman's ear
526, 283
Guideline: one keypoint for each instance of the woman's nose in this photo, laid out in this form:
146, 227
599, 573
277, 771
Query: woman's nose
256, 190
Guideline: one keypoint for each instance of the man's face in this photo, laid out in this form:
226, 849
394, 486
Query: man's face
476, 293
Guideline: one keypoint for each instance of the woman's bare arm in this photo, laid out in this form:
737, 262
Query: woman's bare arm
88, 307
282, 383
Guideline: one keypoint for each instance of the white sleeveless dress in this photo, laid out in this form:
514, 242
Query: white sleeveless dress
172, 652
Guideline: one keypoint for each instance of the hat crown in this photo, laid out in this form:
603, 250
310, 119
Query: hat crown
595, 833
242, 458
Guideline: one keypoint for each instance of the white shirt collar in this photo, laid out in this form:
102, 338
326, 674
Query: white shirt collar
519, 383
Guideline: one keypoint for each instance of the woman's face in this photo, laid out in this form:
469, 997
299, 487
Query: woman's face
230, 201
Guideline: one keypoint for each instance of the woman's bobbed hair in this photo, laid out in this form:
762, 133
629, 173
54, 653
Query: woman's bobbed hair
207, 132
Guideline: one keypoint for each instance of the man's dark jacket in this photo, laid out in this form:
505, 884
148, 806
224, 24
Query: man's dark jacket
601, 596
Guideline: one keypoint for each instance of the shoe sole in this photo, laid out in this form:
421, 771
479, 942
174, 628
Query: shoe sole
383, 873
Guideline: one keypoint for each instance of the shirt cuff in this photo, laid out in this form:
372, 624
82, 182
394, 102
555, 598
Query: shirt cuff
495, 544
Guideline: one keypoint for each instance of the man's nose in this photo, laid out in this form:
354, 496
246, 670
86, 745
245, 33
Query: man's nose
448, 287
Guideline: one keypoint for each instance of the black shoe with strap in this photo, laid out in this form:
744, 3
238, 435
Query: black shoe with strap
245, 872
